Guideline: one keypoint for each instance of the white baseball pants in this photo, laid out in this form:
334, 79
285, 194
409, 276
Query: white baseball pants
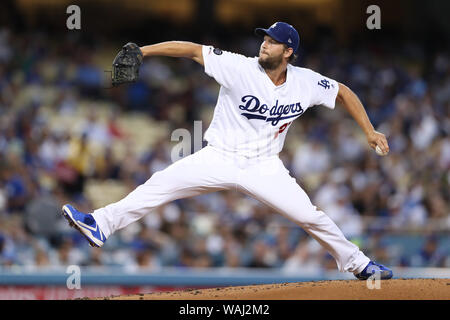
211, 169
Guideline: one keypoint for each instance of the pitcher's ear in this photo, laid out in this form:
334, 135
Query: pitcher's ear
290, 50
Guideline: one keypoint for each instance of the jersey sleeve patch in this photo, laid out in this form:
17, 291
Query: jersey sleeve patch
224, 66
326, 84
324, 90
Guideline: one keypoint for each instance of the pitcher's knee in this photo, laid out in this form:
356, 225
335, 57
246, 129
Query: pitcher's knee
310, 218
157, 186
161, 180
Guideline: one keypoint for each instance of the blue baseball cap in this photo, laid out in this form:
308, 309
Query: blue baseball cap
283, 33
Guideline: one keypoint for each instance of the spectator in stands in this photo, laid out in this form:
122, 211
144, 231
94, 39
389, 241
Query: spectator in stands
146, 259
430, 255
263, 255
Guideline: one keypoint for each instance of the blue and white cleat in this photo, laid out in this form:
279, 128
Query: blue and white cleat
372, 268
86, 224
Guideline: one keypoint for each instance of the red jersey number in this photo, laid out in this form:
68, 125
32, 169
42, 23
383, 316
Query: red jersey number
282, 128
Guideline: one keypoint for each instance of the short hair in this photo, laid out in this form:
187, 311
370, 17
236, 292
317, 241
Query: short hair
293, 57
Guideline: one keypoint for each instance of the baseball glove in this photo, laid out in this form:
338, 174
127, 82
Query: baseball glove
126, 64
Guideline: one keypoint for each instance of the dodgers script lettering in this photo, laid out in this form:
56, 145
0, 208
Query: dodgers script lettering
255, 110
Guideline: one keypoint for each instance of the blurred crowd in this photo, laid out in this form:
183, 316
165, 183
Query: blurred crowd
406, 92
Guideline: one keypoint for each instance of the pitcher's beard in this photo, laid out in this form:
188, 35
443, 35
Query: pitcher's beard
270, 63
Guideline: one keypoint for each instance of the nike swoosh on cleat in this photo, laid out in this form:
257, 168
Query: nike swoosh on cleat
86, 228
83, 225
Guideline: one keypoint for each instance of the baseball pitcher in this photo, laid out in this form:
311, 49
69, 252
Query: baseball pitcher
258, 100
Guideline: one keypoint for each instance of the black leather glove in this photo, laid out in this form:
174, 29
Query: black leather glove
126, 64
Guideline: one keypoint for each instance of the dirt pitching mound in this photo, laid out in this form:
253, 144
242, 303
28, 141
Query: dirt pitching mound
395, 289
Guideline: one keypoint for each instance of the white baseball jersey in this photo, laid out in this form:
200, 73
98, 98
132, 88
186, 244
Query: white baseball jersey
252, 114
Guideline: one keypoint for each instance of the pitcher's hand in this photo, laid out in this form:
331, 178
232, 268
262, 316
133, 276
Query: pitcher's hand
376, 138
